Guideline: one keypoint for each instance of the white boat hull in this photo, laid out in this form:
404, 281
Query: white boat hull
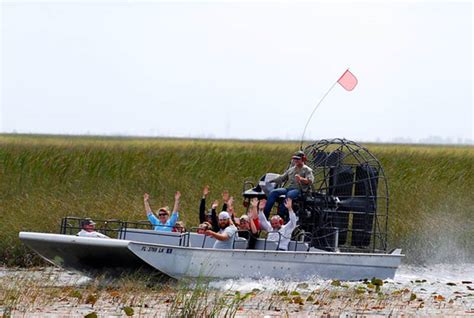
96, 255
87, 255
179, 262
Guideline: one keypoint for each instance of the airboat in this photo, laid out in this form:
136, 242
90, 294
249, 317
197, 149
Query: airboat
342, 231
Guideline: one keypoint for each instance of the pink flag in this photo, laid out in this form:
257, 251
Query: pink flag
348, 80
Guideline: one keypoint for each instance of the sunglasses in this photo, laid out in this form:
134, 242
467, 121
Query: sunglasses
162, 214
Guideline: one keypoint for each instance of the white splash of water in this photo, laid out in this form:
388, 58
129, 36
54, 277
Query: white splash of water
441, 273
443, 279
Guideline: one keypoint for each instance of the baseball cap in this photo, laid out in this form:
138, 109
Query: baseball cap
245, 217
224, 215
298, 155
87, 221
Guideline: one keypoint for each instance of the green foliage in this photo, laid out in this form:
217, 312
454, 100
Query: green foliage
360, 290
44, 178
75, 293
128, 311
377, 283
197, 299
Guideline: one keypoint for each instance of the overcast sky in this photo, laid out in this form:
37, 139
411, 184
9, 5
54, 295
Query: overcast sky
227, 69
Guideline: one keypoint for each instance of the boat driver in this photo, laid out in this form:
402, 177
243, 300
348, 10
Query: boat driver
300, 178
275, 228
225, 236
88, 229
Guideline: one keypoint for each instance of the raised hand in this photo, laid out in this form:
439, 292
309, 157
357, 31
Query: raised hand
252, 214
230, 202
225, 196
288, 204
214, 204
176, 201
230, 209
254, 202
145, 202
205, 191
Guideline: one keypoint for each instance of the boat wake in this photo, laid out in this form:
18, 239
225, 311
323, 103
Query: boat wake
443, 279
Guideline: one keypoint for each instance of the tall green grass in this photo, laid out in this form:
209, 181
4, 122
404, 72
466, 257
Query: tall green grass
44, 178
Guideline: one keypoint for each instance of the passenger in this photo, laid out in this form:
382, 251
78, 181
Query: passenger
164, 222
211, 216
275, 228
179, 227
225, 236
203, 227
248, 230
300, 178
88, 229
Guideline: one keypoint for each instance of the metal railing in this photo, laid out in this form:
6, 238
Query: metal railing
119, 229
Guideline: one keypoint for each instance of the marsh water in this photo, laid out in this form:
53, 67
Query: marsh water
440, 289
442, 279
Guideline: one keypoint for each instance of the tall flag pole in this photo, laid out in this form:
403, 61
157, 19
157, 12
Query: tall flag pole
347, 80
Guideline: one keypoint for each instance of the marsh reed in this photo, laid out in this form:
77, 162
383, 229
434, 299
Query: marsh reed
44, 178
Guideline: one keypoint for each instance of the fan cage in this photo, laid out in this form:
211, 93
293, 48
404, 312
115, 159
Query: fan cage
348, 206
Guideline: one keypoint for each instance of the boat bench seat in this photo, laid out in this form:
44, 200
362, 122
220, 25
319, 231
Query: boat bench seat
272, 245
152, 236
201, 240
240, 243
297, 246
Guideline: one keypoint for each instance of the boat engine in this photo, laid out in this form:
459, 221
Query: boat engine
347, 208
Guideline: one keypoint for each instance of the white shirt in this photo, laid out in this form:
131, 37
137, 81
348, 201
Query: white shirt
285, 231
226, 244
91, 234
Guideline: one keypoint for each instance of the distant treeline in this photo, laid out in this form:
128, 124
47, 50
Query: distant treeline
44, 178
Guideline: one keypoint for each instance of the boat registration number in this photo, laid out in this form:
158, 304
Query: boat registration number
153, 249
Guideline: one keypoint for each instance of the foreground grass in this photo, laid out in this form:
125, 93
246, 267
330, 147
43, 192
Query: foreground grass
44, 178
45, 293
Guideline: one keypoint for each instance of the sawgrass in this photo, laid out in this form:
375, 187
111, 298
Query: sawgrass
44, 178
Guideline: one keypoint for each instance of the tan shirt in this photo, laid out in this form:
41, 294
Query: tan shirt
290, 176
